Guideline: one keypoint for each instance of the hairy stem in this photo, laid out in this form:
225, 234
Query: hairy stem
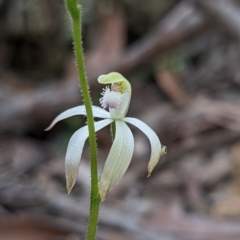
95, 200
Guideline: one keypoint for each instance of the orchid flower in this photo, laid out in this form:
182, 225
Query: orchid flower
116, 99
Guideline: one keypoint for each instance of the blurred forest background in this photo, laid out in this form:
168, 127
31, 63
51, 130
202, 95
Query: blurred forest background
183, 60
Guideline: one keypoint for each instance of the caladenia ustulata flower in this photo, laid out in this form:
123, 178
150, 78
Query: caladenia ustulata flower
115, 98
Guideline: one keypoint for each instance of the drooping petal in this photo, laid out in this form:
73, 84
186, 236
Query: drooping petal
154, 141
100, 113
74, 151
118, 159
79, 110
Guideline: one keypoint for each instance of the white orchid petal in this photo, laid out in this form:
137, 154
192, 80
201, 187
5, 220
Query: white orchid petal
154, 141
118, 159
74, 151
79, 110
100, 112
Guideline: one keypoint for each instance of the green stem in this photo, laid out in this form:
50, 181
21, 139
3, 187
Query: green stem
95, 200
113, 130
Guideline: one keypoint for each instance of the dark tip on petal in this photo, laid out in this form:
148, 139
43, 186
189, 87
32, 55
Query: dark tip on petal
103, 193
103, 197
48, 128
149, 172
70, 185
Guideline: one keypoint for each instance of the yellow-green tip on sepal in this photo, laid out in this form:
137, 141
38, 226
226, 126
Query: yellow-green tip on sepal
152, 164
